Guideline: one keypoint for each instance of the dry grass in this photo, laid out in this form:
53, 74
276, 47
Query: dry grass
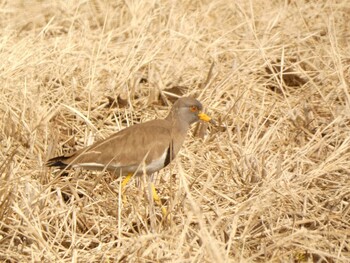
272, 186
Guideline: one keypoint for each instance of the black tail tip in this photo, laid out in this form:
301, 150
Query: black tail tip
57, 162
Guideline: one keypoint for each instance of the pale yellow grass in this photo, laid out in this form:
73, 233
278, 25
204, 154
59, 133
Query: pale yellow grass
270, 185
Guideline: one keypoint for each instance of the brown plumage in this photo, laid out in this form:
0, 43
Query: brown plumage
148, 146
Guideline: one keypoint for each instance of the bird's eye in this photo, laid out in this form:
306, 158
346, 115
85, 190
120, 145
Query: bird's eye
194, 108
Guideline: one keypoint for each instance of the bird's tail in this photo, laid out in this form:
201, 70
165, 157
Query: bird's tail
57, 162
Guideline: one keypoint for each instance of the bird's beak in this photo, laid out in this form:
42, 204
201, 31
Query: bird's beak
204, 117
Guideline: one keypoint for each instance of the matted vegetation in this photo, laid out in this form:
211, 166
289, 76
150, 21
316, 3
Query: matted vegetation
269, 183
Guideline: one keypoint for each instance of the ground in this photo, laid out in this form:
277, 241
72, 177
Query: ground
268, 183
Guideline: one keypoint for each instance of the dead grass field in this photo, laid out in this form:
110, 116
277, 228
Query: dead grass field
269, 184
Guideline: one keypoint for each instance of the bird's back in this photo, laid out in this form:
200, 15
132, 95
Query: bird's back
148, 146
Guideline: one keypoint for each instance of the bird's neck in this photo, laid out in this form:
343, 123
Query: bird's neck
178, 134
177, 125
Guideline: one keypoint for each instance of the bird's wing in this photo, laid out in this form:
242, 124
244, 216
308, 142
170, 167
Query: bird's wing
129, 147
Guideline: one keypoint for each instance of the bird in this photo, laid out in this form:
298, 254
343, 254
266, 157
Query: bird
141, 148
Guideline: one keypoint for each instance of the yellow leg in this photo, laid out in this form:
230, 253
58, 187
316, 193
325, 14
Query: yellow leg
124, 183
154, 193
157, 200
126, 180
